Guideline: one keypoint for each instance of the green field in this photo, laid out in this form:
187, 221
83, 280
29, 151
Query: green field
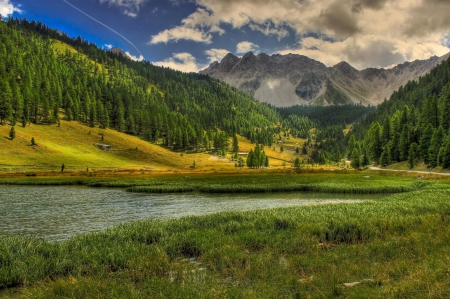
394, 247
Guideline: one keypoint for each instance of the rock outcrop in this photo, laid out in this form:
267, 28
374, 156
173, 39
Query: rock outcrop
286, 80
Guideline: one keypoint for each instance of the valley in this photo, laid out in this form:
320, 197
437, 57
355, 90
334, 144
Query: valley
259, 177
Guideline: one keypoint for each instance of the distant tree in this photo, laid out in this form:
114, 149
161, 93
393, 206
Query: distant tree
304, 149
297, 164
281, 149
62, 167
435, 145
32, 141
355, 162
12, 133
412, 155
240, 162
297, 150
235, 144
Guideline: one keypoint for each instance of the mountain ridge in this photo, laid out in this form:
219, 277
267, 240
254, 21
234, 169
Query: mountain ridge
292, 79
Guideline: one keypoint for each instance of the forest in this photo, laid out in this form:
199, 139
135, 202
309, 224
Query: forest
46, 75
413, 125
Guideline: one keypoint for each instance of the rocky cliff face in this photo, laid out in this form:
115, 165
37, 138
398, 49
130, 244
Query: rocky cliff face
286, 80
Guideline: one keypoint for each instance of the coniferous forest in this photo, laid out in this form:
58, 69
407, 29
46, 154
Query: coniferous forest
413, 125
46, 75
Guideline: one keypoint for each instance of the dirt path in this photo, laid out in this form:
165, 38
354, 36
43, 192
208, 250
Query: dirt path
409, 171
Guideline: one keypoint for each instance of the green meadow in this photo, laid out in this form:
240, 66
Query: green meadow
393, 247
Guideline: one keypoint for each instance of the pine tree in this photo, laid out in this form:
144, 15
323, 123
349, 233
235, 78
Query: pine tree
297, 164
424, 142
12, 133
435, 145
403, 146
235, 144
412, 155
32, 141
355, 162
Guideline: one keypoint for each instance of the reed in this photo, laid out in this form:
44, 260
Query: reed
395, 247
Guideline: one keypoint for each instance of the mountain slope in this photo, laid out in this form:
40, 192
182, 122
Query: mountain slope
287, 80
53, 77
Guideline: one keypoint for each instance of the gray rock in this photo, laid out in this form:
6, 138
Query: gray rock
285, 80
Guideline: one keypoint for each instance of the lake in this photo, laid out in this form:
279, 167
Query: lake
57, 213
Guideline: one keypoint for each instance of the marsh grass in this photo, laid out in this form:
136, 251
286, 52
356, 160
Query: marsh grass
396, 247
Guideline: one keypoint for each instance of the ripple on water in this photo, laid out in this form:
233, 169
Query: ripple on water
57, 213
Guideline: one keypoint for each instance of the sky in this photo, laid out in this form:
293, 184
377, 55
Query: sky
188, 35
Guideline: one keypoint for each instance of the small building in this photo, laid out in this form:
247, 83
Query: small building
103, 147
243, 154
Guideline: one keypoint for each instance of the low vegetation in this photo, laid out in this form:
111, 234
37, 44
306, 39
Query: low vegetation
395, 247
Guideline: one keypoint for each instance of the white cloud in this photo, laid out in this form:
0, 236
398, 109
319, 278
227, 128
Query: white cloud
184, 62
367, 33
7, 8
130, 13
246, 46
266, 29
181, 33
108, 46
216, 54
135, 58
131, 6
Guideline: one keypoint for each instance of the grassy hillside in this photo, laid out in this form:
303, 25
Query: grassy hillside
72, 143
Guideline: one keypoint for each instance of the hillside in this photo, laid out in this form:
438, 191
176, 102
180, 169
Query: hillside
74, 144
53, 77
413, 125
288, 80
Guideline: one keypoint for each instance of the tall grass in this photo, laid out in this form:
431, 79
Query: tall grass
396, 247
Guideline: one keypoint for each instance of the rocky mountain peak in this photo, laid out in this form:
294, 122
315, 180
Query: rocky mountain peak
286, 80
117, 50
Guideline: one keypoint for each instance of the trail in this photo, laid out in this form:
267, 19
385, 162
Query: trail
94, 19
409, 171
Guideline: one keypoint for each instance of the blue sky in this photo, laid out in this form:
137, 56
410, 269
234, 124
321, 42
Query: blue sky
190, 34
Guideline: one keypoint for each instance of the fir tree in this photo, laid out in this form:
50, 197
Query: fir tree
12, 133
355, 159
412, 155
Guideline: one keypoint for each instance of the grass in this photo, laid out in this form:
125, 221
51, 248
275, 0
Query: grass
259, 182
72, 143
395, 247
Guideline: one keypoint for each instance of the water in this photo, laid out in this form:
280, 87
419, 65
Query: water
57, 213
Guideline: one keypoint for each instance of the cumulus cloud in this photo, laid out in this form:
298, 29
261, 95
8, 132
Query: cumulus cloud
135, 58
108, 46
366, 33
7, 8
184, 62
180, 33
216, 54
246, 46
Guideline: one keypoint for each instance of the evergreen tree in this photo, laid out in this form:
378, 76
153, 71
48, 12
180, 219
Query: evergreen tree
445, 156
355, 159
412, 155
12, 133
435, 145
424, 143
403, 146
297, 164
351, 146
235, 144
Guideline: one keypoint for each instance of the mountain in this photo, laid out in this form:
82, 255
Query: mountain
54, 77
287, 80
117, 50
